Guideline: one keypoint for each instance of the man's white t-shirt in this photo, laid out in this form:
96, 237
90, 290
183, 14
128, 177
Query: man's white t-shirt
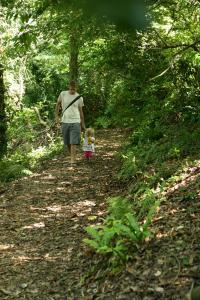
71, 114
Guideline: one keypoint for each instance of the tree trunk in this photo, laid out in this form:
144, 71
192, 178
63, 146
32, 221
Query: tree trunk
3, 124
73, 61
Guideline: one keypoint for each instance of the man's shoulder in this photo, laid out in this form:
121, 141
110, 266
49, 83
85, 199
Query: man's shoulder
80, 101
65, 94
62, 93
68, 93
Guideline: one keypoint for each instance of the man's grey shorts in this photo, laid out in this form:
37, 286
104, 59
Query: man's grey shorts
71, 133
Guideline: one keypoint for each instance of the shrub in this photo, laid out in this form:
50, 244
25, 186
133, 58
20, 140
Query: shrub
123, 231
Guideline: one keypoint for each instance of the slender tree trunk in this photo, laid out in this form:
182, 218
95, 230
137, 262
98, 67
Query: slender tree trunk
3, 124
74, 53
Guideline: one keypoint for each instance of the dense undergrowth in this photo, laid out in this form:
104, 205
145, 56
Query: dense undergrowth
30, 144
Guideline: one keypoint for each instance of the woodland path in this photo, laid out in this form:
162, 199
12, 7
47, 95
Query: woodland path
42, 221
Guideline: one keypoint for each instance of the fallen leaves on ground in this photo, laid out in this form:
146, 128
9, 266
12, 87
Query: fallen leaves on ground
42, 225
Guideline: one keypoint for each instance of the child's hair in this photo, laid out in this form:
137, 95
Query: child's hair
89, 132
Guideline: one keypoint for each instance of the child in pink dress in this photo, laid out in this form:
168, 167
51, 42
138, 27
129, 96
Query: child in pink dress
88, 143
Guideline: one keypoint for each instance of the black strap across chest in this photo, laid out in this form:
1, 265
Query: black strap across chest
79, 96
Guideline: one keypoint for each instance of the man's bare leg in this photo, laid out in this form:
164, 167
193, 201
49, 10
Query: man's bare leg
69, 149
73, 154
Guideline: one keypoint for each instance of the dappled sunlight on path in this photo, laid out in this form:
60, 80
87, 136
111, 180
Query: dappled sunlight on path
42, 226
43, 219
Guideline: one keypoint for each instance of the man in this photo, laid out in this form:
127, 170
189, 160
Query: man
72, 119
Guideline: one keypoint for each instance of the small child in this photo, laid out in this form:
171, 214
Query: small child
88, 143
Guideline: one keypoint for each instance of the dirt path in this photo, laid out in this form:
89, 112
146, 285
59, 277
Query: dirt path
42, 221
43, 218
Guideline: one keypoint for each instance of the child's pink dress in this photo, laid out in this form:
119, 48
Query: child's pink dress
88, 147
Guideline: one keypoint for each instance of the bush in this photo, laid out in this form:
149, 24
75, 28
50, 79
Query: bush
123, 231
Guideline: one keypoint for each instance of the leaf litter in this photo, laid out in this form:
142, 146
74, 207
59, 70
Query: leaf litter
42, 223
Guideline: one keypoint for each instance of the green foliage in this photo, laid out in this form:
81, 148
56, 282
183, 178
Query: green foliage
153, 158
3, 125
47, 79
122, 232
29, 145
23, 162
10, 169
118, 207
103, 122
22, 126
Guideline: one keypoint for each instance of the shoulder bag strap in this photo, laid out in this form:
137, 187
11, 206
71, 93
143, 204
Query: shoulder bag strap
79, 96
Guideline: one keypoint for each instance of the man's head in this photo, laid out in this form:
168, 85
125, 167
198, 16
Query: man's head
72, 87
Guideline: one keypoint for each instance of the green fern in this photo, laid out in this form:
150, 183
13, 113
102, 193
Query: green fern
122, 229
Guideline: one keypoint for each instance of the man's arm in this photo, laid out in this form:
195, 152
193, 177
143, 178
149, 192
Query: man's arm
82, 117
57, 110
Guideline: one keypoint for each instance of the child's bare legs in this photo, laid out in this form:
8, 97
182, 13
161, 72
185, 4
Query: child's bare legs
88, 155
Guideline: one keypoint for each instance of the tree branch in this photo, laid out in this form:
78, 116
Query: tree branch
186, 47
42, 122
